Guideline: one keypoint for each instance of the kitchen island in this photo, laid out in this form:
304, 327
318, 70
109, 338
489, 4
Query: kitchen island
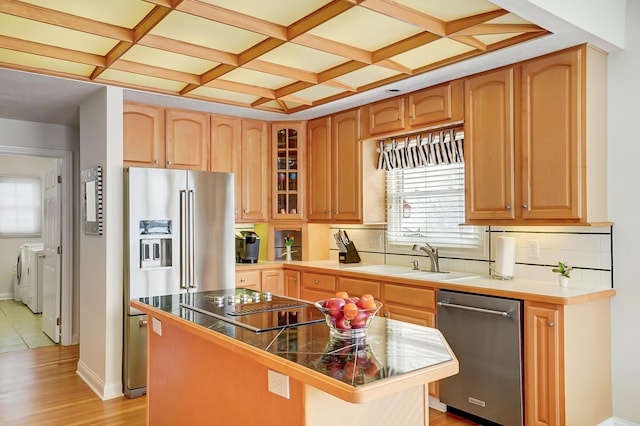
205, 370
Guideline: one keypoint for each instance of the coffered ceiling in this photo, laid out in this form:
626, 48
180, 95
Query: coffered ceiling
281, 56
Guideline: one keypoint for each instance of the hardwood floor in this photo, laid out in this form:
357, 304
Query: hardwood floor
40, 387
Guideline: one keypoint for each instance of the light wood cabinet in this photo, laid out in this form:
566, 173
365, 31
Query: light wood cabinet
346, 161
143, 136
442, 104
314, 287
535, 152
387, 116
288, 155
566, 363
435, 106
335, 168
411, 304
249, 278
357, 287
489, 146
319, 169
550, 139
272, 280
187, 140
254, 172
292, 283
226, 152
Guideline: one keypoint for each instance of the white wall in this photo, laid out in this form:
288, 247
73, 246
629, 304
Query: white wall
27, 134
624, 207
101, 291
18, 165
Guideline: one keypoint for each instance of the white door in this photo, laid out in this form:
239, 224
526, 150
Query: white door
52, 242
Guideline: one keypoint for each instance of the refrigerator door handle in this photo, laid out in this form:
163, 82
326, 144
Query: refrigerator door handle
191, 237
183, 239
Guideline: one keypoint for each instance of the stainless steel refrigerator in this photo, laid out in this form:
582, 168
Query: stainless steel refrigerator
179, 238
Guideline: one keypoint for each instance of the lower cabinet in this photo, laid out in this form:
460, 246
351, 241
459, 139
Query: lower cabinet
565, 350
357, 287
411, 304
248, 278
292, 284
272, 280
314, 287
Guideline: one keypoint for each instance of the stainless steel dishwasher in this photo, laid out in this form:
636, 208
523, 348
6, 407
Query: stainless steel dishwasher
485, 334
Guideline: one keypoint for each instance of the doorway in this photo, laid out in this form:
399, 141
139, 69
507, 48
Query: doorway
57, 222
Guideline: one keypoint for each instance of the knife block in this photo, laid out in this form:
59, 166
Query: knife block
350, 256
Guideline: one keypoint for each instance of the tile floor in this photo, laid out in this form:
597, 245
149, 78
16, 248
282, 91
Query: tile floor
20, 328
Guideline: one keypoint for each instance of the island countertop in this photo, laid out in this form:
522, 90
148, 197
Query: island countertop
394, 356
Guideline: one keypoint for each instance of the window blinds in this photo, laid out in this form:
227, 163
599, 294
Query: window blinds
20, 206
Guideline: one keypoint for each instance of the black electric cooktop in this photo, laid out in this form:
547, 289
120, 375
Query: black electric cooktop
256, 311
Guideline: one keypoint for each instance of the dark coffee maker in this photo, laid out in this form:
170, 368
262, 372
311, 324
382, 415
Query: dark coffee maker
247, 247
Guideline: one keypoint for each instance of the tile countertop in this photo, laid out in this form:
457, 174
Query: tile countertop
538, 291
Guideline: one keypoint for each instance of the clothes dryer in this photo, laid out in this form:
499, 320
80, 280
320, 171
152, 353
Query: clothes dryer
29, 280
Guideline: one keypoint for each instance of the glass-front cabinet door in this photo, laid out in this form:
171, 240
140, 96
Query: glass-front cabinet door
288, 172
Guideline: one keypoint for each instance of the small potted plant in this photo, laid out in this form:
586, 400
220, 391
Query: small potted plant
564, 270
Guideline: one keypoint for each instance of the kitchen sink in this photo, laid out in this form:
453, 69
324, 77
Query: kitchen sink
439, 276
406, 272
382, 269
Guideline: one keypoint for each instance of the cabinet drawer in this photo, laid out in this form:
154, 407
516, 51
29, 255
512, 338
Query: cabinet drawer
409, 296
248, 279
356, 287
319, 282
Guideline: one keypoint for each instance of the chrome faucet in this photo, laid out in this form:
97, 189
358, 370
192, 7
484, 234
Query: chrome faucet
432, 253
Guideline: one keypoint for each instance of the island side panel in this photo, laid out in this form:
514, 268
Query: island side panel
198, 382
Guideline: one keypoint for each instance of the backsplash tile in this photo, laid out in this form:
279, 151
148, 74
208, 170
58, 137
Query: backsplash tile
586, 248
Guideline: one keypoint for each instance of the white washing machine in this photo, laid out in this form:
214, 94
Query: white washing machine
14, 282
29, 274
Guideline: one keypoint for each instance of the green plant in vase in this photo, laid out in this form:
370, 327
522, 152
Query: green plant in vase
564, 270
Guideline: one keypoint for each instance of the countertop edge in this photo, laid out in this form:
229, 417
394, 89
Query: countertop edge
357, 395
334, 267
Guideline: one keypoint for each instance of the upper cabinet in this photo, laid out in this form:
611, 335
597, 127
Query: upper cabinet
550, 168
287, 170
143, 135
435, 106
165, 138
226, 152
489, 145
334, 168
187, 140
344, 184
254, 171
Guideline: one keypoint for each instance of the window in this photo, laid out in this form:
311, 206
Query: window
20, 206
426, 204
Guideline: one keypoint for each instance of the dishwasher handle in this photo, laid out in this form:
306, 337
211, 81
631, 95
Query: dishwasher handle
474, 309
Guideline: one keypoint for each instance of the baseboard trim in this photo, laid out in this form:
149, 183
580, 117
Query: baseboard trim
97, 385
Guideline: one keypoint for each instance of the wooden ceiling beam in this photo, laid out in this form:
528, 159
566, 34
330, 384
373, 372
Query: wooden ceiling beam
335, 48
157, 72
282, 71
340, 70
188, 49
318, 17
64, 20
470, 21
488, 29
234, 86
234, 19
404, 46
407, 15
49, 51
470, 41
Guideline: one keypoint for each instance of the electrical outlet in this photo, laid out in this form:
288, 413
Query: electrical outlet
278, 383
533, 249
156, 325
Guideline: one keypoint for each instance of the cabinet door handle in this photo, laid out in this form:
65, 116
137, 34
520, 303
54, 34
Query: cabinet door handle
316, 282
156, 162
524, 206
245, 211
507, 207
326, 211
551, 323
242, 280
170, 162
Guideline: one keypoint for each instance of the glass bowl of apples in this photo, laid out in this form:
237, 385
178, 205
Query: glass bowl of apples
348, 317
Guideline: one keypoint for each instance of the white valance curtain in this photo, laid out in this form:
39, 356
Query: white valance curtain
423, 149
